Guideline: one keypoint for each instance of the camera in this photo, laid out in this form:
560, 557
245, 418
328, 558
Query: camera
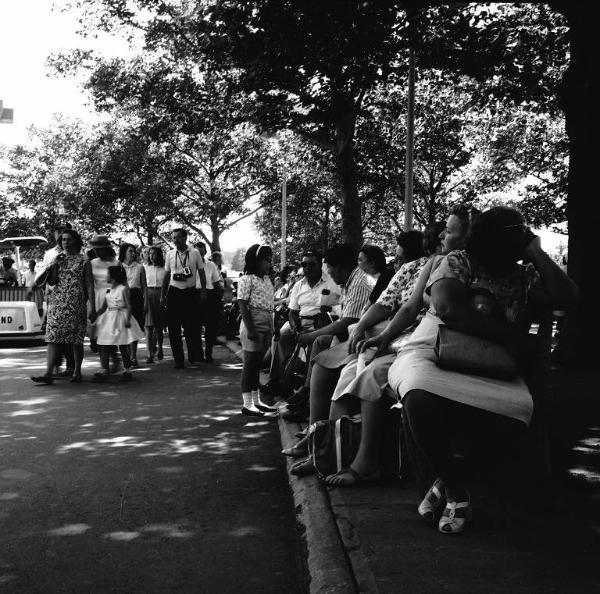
183, 275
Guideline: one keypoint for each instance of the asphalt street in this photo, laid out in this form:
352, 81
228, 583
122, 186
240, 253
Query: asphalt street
156, 485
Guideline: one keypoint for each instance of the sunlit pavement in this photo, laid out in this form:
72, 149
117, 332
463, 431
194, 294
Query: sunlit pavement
156, 485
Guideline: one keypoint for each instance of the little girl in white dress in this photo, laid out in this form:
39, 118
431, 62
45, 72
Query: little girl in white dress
115, 326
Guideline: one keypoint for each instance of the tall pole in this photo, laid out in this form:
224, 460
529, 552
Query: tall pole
410, 141
283, 219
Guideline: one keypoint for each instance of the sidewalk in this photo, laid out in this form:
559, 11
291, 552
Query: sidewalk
382, 545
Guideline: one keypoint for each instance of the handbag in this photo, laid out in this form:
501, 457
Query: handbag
332, 445
457, 351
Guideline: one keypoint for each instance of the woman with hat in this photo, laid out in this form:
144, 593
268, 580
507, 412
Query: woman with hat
105, 257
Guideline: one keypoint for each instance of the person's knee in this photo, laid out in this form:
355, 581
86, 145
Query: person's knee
416, 403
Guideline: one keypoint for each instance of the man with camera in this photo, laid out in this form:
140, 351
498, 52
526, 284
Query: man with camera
183, 265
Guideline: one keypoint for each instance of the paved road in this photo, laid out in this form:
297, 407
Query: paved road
158, 485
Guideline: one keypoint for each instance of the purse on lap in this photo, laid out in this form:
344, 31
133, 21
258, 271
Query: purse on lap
457, 351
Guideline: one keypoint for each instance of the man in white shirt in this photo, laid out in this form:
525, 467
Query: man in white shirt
183, 267
28, 279
306, 300
209, 312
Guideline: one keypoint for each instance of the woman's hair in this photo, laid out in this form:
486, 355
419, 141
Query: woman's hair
7, 262
496, 235
465, 215
375, 255
431, 237
118, 274
411, 243
123, 250
77, 241
341, 254
285, 273
255, 254
160, 258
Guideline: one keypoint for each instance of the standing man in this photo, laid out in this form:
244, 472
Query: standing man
209, 313
28, 279
183, 266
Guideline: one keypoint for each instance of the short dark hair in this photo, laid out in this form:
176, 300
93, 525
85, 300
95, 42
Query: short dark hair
78, 242
118, 274
462, 212
200, 244
7, 262
411, 243
341, 254
179, 230
496, 232
374, 254
431, 237
160, 260
123, 250
285, 272
312, 254
254, 255
34, 262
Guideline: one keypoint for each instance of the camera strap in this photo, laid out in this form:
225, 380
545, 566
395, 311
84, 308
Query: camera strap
182, 262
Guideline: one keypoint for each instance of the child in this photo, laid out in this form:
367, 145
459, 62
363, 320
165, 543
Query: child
255, 298
115, 326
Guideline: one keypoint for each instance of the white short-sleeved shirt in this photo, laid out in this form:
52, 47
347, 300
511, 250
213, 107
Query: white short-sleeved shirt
154, 275
134, 275
28, 278
176, 261
213, 276
307, 299
257, 291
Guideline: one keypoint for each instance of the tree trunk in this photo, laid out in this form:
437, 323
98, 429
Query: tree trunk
346, 173
215, 242
580, 96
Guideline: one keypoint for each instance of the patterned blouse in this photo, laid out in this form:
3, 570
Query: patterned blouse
510, 292
257, 291
400, 288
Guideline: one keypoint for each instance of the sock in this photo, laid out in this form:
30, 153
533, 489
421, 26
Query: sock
247, 398
257, 401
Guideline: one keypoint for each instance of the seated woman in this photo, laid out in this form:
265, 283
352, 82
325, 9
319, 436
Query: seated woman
437, 401
371, 259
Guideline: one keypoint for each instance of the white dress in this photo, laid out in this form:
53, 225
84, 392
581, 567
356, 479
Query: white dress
111, 324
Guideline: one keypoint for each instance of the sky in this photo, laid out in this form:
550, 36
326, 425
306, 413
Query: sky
30, 31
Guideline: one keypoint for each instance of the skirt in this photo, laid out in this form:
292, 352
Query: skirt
369, 384
111, 328
137, 306
155, 315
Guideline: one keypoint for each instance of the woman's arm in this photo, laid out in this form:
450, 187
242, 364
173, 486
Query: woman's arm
97, 314
558, 287
375, 314
88, 285
247, 318
127, 300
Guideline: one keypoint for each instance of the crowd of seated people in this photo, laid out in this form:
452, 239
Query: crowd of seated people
476, 276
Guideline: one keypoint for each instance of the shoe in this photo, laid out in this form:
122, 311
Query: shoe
433, 501
252, 413
298, 416
160, 355
134, 363
455, 516
149, 360
126, 376
296, 451
61, 374
42, 379
76, 379
303, 468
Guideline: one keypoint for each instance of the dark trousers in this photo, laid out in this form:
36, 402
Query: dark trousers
209, 320
183, 312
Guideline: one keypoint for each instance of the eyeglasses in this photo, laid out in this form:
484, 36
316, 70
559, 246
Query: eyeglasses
308, 264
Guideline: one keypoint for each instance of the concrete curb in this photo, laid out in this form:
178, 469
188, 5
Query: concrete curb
335, 560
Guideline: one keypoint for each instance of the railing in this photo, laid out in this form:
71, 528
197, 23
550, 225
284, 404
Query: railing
23, 294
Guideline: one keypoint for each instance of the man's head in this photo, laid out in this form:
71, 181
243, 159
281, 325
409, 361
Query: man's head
217, 258
201, 247
179, 237
58, 229
341, 261
312, 263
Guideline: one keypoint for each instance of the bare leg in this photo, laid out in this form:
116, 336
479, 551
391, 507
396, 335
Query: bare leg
52, 354
77, 359
133, 349
367, 457
322, 385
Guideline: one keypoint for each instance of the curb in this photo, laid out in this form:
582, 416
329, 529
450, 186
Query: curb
335, 560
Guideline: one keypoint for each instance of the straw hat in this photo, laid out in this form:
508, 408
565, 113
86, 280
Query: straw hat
100, 241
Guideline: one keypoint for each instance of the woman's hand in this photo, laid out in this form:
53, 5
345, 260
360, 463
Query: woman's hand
355, 338
93, 316
380, 342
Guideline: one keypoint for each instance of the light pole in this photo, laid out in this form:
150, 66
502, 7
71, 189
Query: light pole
283, 219
410, 141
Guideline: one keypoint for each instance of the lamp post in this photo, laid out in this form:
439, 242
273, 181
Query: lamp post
410, 141
283, 219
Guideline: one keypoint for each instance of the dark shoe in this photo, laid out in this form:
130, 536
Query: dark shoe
265, 408
252, 413
42, 379
76, 379
298, 416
